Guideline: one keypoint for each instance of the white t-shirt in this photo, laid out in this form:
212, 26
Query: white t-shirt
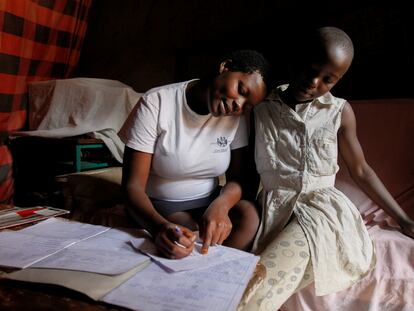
189, 150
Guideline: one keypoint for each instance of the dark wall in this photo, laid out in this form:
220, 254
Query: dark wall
146, 43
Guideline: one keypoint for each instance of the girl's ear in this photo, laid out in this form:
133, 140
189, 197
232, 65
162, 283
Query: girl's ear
224, 66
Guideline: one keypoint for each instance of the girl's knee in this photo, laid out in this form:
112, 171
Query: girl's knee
246, 211
245, 217
245, 220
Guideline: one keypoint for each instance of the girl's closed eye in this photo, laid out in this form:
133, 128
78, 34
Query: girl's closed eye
242, 89
329, 80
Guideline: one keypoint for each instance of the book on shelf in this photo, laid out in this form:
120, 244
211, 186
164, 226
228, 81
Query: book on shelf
15, 216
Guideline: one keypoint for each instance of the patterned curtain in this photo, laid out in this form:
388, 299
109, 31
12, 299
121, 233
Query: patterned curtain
39, 40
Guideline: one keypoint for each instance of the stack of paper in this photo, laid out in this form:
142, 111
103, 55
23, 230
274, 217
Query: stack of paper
114, 266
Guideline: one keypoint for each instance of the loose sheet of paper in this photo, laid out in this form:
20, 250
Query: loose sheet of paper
109, 253
217, 288
64, 229
19, 250
216, 255
61, 244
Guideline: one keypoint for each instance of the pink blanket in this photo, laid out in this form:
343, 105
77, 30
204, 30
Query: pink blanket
389, 287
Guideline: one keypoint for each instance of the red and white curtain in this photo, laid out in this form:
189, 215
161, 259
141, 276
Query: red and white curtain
39, 40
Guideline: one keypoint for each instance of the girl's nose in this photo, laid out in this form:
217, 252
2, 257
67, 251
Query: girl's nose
313, 82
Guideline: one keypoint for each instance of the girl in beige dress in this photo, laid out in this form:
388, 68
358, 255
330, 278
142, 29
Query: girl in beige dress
310, 231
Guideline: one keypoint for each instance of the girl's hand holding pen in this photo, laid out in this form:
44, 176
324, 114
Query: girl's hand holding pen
175, 241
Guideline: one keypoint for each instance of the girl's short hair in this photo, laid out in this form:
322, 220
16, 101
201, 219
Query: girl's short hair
250, 61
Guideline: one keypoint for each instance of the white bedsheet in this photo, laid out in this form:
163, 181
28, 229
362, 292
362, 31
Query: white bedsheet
71, 107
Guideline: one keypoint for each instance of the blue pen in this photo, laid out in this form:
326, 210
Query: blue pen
178, 230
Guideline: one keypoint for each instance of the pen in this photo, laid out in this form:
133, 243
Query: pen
178, 230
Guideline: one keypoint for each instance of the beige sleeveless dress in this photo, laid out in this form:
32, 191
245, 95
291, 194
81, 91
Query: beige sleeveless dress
296, 156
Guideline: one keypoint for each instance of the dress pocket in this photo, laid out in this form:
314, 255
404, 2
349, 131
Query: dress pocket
266, 151
323, 153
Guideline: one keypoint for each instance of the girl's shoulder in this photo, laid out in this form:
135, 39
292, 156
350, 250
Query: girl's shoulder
167, 88
329, 99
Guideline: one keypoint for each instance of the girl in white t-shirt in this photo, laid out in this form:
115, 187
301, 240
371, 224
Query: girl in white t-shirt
178, 140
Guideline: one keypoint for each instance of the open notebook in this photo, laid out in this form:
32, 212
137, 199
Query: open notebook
73, 254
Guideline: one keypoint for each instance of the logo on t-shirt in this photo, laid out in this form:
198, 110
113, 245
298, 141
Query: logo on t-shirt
222, 141
220, 145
